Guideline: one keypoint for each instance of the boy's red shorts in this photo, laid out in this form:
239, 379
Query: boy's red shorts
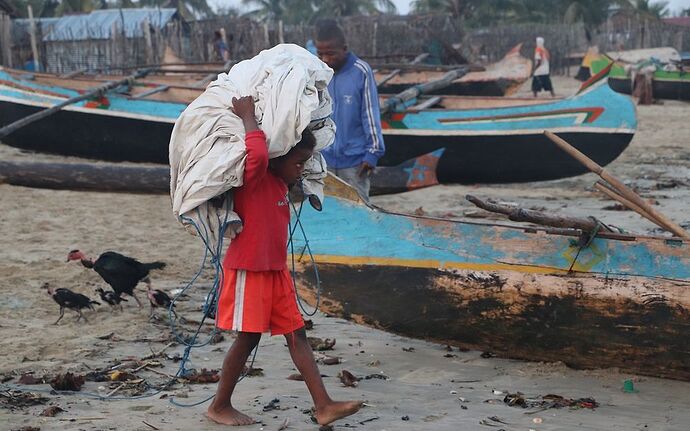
261, 302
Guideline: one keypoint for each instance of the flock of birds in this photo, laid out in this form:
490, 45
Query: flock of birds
122, 273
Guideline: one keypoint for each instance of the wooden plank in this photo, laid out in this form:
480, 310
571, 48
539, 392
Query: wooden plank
152, 91
414, 91
428, 103
388, 77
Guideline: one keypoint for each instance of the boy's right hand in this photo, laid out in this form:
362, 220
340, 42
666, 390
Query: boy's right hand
243, 107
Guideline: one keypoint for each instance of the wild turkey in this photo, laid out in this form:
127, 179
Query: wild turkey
72, 300
122, 273
158, 298
110, 297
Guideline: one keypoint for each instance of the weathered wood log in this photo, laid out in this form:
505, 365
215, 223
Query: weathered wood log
86, 176
618, 185
518, 214
110, 177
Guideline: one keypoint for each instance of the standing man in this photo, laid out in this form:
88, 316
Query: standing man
358, 140
541, 79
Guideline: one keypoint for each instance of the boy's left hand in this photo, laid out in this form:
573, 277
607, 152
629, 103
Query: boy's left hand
365, 169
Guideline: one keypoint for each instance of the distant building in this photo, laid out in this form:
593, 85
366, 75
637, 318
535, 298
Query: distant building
683, 21
100, 39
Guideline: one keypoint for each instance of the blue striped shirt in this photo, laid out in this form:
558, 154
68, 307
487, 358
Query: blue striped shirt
356, 114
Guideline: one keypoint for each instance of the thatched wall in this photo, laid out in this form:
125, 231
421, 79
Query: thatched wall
376, 38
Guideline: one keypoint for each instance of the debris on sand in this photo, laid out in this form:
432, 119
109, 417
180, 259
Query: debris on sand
377, 376
67, 382
29, 379
217, 338
348, 379
274, 404
203, 376
297, 377
308, 325
51, 411
320, 345
328, 360
122, 376
550, 401
252, 372
18, 399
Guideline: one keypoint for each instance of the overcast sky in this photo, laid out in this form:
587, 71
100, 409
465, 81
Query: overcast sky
404, 5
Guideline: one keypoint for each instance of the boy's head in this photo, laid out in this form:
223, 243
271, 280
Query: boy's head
291, 166
330, 44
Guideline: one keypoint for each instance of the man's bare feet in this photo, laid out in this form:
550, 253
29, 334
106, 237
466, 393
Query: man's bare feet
336, 410
228, 416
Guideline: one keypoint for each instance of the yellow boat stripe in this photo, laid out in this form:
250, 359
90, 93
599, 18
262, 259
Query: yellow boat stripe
433, 264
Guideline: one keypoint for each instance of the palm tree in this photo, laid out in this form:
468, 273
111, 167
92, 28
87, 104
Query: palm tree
67, 7
188, 9
590, 12
355, 7
457, 8
658, 9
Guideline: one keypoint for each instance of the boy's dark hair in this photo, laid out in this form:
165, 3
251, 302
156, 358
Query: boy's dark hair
308, 141
328, 29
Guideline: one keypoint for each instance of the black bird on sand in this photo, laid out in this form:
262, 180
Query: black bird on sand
110, 297
158, 298
122, 273
72, 300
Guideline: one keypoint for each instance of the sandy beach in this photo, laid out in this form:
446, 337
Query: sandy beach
411, 384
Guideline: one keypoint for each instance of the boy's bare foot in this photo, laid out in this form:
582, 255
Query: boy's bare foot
336, 410
229, 416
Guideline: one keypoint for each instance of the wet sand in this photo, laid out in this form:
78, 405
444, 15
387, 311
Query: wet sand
434, 388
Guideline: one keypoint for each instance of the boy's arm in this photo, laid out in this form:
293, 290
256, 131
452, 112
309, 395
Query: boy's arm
371, 123
256, 164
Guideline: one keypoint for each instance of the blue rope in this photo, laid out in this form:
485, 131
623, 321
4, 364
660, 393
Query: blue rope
210, 301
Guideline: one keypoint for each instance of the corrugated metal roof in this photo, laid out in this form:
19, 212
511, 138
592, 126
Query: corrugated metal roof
99, 24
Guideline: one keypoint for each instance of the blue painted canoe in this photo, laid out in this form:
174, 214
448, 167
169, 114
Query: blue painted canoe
502, 288
486, 139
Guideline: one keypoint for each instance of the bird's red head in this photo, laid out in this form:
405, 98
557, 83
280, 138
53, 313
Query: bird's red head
75, 255
49, 288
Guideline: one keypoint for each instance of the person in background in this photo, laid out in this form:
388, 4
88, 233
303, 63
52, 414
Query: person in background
541, 79
220, 47
30, 65
358, 140
310, 46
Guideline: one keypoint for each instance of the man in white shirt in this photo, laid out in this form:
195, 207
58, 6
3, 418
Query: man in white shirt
540, 77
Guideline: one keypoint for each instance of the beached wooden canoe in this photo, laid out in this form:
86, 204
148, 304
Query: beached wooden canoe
666, 84
502, 78
539, 294
486, 139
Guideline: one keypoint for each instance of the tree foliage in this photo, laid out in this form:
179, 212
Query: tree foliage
590, 12
298, 11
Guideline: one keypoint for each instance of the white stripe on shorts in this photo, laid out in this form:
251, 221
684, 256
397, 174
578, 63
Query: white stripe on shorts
240, 282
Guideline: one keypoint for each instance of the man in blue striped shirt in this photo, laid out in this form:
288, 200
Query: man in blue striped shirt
358, 141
